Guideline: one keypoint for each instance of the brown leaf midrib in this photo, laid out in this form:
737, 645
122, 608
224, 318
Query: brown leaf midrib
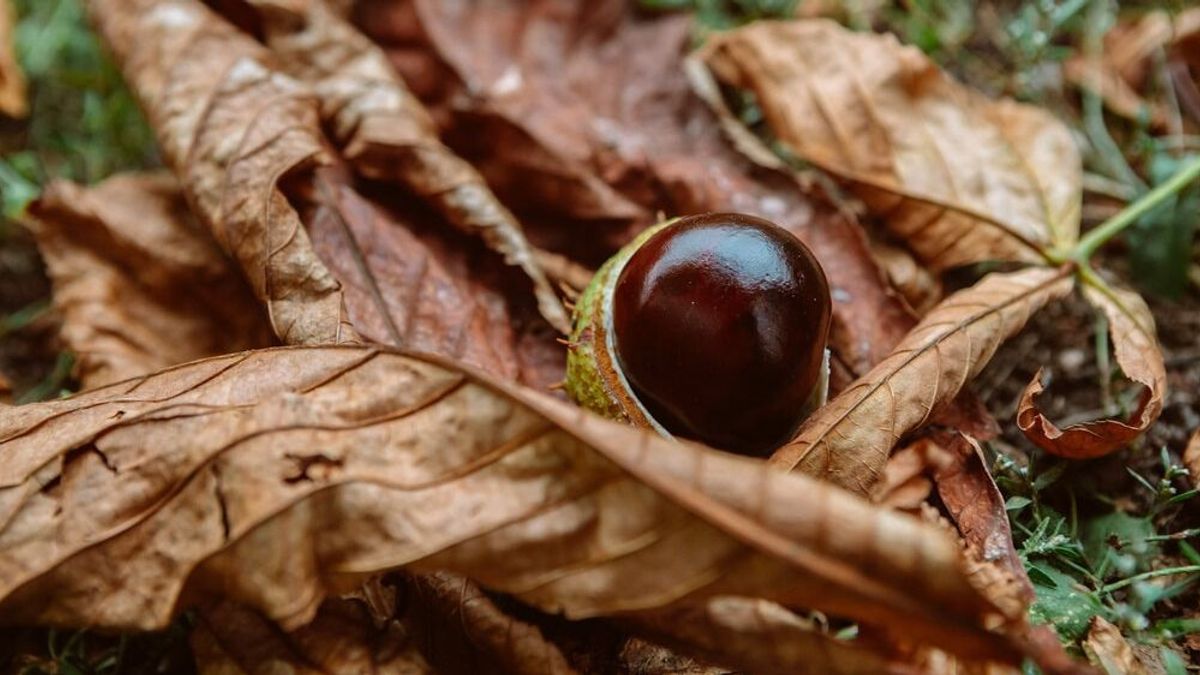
917, 353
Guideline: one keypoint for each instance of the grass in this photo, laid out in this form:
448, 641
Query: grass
83, 124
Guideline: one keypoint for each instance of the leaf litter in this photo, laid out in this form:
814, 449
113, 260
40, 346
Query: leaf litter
361, 459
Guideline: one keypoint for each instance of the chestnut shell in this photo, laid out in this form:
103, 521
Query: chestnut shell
720, 323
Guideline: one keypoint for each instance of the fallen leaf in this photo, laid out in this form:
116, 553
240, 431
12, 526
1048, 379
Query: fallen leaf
407, 282
232, 128
1135, 344
13, 101
300, 470
587, 156
959, 177
460, 630
329, 263
757, 636
233, 640
920, 288
1103, 79
1108, 649
138, 284
1191, 458
386, 134
848, 441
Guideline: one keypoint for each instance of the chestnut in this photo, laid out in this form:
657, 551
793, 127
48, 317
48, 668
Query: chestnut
709, 327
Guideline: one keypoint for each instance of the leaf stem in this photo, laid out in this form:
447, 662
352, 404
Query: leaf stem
1129, 581
1110, 228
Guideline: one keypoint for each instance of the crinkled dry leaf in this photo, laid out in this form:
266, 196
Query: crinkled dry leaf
959, 177
540, 105
1191, 458
232, 128
1120, 70
1135, 343
386, 134
848, 441
233, 640
1103, 79
12, 80
1108, 649
757, 636
409, 282
273, 477
920, 288
138, 284
245, 138
460, 630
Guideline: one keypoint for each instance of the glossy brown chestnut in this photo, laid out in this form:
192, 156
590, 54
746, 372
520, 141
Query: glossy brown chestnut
720, 323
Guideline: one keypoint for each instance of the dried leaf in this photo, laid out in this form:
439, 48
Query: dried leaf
920, 288
232, 129
12, 80
757, 636
959, 177
271, 477
460, 630
233, 640
1107, 648
407, 282
1103, 79
1191, 458
386, 134
1135, 343
581, 152
977, 508
246, 139
138, 284
848, 441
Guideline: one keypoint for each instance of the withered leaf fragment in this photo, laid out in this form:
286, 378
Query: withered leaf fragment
385, 133
233, 640
13, 100
848, 441
959, 177
1135, 344
275, 476
330, 262
140, 286
232, 129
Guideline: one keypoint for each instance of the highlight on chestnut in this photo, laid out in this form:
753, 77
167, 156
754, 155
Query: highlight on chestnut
710, 327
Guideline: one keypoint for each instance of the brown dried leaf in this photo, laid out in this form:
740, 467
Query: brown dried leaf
408, 282
385, 133
233, 640
920, 288
247, 139
232, 129
1103, 79
1107, 648
1191, 458
460, 630
848, 441
1119, 72
976, 506
959, 177
138, 284
1135, 343
273, 477
12, 80
757, 636
581, 153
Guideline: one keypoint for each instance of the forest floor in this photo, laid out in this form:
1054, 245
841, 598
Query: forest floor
1093, 533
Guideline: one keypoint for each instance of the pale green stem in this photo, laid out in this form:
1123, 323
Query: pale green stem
1117, 585
1110, 228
